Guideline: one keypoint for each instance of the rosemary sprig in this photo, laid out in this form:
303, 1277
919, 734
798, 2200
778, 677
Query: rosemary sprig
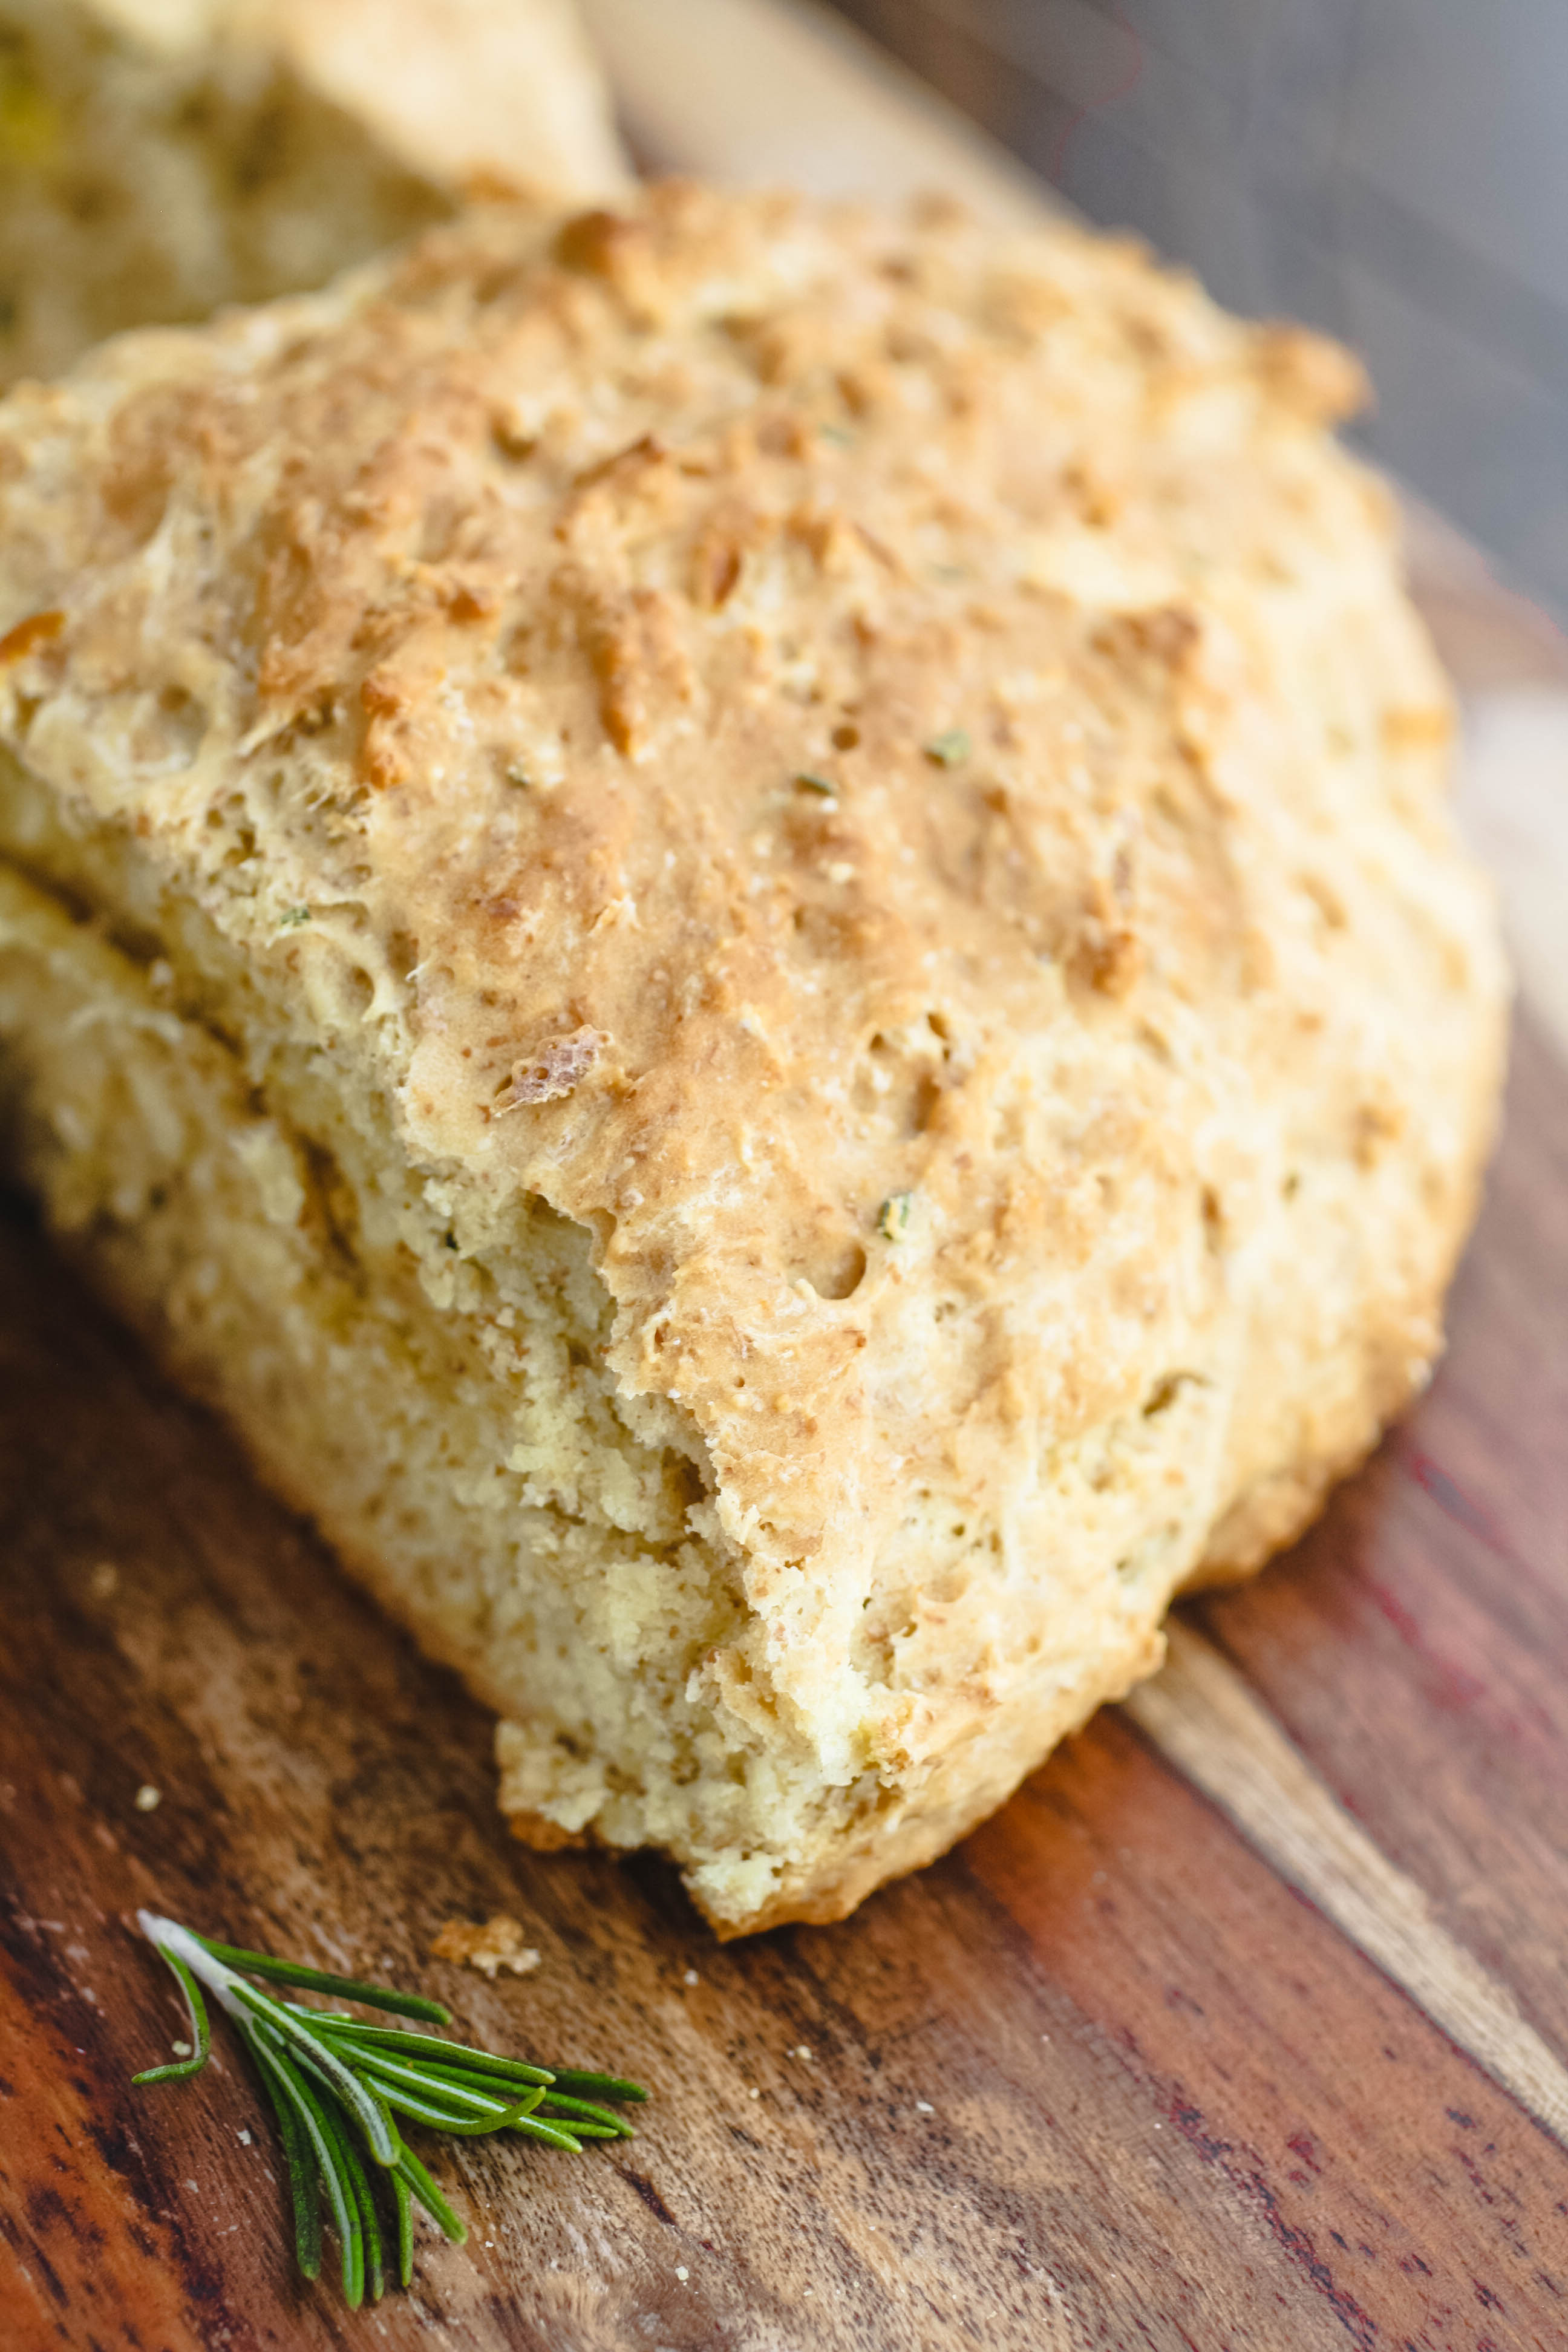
337, 2087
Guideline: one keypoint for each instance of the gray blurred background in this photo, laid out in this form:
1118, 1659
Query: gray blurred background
1395, 171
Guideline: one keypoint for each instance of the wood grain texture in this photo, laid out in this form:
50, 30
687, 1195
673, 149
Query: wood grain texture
1100, 2079
1205, 1720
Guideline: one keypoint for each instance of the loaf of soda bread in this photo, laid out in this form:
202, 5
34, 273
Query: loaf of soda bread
742, 921
159, 158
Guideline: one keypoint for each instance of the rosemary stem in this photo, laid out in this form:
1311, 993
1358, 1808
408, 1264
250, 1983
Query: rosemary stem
337, 2084
168, 1936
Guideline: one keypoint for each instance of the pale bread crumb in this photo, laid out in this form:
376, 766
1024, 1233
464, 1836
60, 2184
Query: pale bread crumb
360, 143
497, 1945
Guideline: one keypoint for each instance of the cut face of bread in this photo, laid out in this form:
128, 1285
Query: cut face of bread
743, 922
159, 158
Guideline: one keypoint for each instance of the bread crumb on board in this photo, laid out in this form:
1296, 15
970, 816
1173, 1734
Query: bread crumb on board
497, 1944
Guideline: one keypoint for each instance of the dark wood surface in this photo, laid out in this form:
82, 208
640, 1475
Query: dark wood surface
1165, 2103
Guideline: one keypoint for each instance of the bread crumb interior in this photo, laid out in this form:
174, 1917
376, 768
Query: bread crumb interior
435, 1395
142, 182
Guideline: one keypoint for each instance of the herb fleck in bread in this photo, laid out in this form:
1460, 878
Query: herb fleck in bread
742, 920
161, 157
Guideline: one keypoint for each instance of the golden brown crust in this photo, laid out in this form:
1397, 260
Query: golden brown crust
941, 719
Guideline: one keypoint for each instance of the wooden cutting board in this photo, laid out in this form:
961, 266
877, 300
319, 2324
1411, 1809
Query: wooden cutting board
1120, 2071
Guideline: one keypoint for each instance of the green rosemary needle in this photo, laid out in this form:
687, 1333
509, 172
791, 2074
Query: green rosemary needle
337, 2086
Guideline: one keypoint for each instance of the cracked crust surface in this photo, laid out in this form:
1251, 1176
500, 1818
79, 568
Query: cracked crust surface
887, 776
